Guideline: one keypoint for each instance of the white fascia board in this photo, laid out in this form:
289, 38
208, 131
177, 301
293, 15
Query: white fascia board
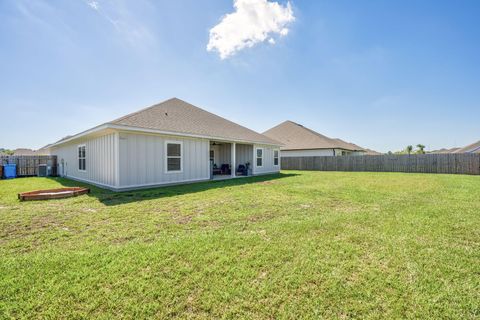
81, 134
154, 131
180, 134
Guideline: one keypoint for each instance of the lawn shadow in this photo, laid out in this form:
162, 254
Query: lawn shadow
112, 198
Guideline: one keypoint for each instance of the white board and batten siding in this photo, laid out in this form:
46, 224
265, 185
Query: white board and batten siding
126, 160
100, 160
142, 160
244, 154
268, 164
222, 153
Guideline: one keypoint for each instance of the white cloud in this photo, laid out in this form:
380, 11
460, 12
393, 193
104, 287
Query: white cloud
253, 21
93, 4
128, 21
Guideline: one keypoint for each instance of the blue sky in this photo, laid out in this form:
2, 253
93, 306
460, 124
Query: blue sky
382, 74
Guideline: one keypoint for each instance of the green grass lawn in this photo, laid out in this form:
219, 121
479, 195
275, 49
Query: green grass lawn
292, 245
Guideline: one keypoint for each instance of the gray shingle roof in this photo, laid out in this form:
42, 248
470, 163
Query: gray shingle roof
471, 148
370, 152
297, 137
177, 116
444, 151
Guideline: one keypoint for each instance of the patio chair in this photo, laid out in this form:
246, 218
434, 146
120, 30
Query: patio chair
225, 168
242, 170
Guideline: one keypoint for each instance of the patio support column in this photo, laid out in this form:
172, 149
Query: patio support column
233, 165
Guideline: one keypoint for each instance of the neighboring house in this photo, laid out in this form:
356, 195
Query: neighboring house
169, 143
471, 148
370, 152
24, 152
444, 151
299, 141
27, 152
44, 151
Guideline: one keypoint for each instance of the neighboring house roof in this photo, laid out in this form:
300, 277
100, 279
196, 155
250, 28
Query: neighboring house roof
371, 152
471, 148
24, 152
294, 136
349, 145
44, 151
27, 152
175, 116
444, 150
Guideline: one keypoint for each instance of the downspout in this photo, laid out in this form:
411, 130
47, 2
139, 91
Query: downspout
117, 159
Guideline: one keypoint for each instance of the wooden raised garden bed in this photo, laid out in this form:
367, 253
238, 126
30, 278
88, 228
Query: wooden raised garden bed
52, 193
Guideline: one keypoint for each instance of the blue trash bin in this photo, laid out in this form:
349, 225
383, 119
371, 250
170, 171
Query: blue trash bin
9, 171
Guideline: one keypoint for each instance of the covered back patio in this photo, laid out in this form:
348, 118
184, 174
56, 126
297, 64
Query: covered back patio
230, 159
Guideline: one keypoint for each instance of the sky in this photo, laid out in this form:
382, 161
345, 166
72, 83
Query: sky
382, 74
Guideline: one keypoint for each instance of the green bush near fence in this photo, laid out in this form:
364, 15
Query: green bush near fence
292, 245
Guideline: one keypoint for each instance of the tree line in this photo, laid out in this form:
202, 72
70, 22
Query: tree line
420, 149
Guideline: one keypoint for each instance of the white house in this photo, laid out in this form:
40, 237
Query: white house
299, 141
169, 143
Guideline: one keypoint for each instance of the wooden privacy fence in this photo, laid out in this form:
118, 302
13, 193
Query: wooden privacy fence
28, 165
461, 163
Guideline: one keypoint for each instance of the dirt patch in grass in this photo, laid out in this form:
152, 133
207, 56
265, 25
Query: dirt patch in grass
305, 206
45, 221
183, 219
37, 226
260, 217
267, 183
343, 206
123, 240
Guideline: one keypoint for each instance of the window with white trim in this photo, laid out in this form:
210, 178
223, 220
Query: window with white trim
259, 158
212, 155
174, 157
275, 157
82, 164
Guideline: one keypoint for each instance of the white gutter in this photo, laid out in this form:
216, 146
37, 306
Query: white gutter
81, 134
155, 131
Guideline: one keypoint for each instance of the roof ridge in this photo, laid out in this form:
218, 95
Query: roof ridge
278, 125
225, 119
294, 135
314, 132
141, 110
317, 134
179, 103
469, 148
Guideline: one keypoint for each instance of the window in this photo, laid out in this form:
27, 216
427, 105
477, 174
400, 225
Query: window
259, 157
81, 158
275, 157
212, 155
174, 156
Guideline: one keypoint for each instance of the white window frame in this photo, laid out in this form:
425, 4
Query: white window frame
80, 158
256, 157
278, 157
166, 156
211, 158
